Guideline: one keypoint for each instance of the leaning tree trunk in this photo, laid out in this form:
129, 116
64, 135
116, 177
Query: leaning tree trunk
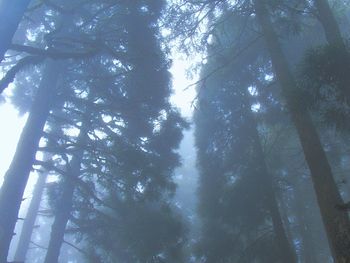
11, 13
334, 38
29, 221
329, 23
65, 203
336, 222
18, 173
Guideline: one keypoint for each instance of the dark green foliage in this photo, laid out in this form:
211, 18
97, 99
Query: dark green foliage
120, 91
122, 194
54, 193
138, 232
325, 68
231, 205
324, 78
235, 221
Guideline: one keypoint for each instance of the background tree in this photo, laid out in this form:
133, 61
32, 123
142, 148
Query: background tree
18, 173
29, 221
236, 131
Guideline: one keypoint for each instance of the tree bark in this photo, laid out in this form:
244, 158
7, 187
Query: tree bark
65, 203
18, 173
29, 221
334, 37
61, 219
329, 23
11, 13
336, 222
307, 250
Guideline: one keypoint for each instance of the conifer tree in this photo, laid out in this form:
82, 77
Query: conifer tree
17, 175
238, 167
29, 221
336, 223
137, 223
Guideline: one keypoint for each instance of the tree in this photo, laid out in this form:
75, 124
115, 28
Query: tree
29, 221
135, 221
18, 173
60, 26
329, 23
332, 76
64, 204
328, 196
128, 154
336, 223
225, 126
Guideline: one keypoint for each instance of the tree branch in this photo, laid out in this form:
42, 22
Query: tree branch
52, 53
21, 64
75, 247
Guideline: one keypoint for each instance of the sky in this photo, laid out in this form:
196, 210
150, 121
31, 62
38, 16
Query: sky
184, 95
9, 135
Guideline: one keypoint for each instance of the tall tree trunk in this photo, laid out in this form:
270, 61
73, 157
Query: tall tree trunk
29, 221
18, 173
287, 254
65, 203
61, 218
334, 37
11, 13
308, 253
329, 23
336, 222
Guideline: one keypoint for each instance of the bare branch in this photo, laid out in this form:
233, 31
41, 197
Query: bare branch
75, 247
52, 53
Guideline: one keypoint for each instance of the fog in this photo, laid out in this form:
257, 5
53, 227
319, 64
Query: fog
177, 131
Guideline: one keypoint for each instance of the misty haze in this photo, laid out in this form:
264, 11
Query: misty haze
174, 131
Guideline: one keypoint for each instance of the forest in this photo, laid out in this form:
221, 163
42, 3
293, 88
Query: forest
108, 169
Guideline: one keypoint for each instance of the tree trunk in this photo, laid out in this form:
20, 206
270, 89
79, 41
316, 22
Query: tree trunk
334, 37
61, 219
329, 23
18, 173
287, 254
28, 224
65, 203
336, 222
11, 13
308, 253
